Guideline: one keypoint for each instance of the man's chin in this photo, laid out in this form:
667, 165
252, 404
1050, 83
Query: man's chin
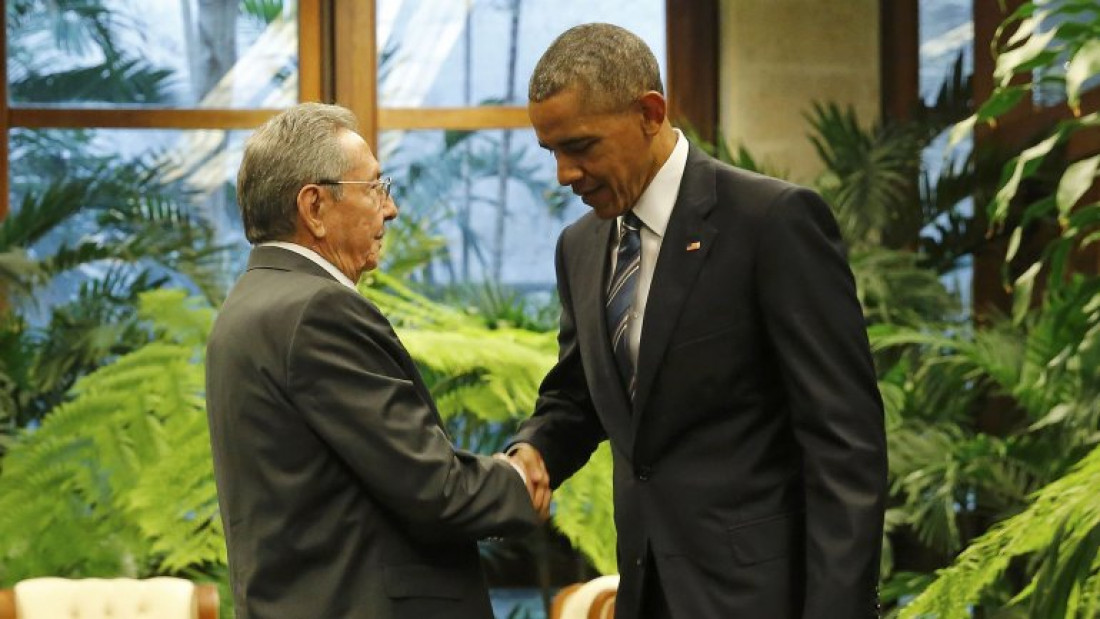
601, 206
606, 211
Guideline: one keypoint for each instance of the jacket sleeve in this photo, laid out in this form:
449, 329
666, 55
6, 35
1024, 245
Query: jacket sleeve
346, 379
816, 327
564, 427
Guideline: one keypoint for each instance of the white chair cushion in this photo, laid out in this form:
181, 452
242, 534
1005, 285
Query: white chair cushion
576, 605
98, 598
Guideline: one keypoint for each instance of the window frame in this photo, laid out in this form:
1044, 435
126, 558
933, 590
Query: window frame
337, 62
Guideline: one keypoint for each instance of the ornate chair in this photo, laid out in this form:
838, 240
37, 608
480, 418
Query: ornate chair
116, 598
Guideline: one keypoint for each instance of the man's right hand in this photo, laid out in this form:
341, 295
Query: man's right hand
538, 480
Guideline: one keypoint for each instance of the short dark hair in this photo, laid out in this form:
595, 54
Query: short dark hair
610, 65
298, 146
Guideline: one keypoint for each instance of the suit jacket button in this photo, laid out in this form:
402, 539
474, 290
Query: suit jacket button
644, 472
638, 562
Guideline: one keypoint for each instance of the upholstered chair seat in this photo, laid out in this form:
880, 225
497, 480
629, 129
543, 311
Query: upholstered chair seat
115, 598
594, 599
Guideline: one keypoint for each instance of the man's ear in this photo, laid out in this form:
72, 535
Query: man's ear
654, 109
311, 202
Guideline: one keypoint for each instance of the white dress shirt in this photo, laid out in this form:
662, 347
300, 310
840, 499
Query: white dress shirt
654, 208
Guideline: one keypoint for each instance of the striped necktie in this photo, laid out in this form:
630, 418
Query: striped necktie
620, 297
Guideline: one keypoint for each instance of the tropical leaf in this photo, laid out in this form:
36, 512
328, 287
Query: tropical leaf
584, 511
98, 468
870, 176
129, 81
893, 288
1060, 529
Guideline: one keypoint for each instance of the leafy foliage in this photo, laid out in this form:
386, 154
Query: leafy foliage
77, 29
124, 466
585, 514
1039, 558
868, 178
1060, 530
90, 231
107, 235
266, 11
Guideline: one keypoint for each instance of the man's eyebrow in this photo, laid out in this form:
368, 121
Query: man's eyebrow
568, 143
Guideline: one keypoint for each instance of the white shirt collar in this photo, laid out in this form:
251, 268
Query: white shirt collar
306, 252
654, 207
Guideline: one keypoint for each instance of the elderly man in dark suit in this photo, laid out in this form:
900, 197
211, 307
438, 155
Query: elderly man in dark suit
710, 330
340, 493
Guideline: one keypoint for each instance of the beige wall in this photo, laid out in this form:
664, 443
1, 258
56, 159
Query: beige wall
778, 56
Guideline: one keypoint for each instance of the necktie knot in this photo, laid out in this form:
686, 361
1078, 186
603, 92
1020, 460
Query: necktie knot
631, 222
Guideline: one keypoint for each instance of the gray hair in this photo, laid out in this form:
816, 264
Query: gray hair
610, 65
298, 146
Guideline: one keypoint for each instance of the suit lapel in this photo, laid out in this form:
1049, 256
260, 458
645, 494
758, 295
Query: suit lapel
687, 241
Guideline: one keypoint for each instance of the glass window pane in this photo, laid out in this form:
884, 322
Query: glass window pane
946, 34
153, 53
451, 53
129, 188
449, 185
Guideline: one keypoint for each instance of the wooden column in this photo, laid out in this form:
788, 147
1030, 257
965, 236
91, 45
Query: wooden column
355, 63
899, 36
310, 51
692, 81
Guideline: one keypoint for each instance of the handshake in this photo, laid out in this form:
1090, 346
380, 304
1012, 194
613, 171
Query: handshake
527, 460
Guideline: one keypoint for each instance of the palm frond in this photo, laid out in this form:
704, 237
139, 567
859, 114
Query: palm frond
127, 81
892, 288
18, 273
40, 213
870, 175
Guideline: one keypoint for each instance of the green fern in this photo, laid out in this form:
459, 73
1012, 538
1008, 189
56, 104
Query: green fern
493, 374
1060, 529
103, 486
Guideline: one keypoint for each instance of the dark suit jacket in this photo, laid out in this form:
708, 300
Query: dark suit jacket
751, 464
340, 494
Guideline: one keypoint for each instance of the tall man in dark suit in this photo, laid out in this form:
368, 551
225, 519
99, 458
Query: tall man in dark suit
710, 330
340, 493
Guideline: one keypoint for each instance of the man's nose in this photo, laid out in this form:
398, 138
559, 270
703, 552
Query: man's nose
568, 171
389, 210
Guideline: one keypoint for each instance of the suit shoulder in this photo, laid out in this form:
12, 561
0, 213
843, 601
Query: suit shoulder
760, 198
758, 187
272, 298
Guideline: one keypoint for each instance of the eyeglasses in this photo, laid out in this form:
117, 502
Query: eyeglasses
383, 183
